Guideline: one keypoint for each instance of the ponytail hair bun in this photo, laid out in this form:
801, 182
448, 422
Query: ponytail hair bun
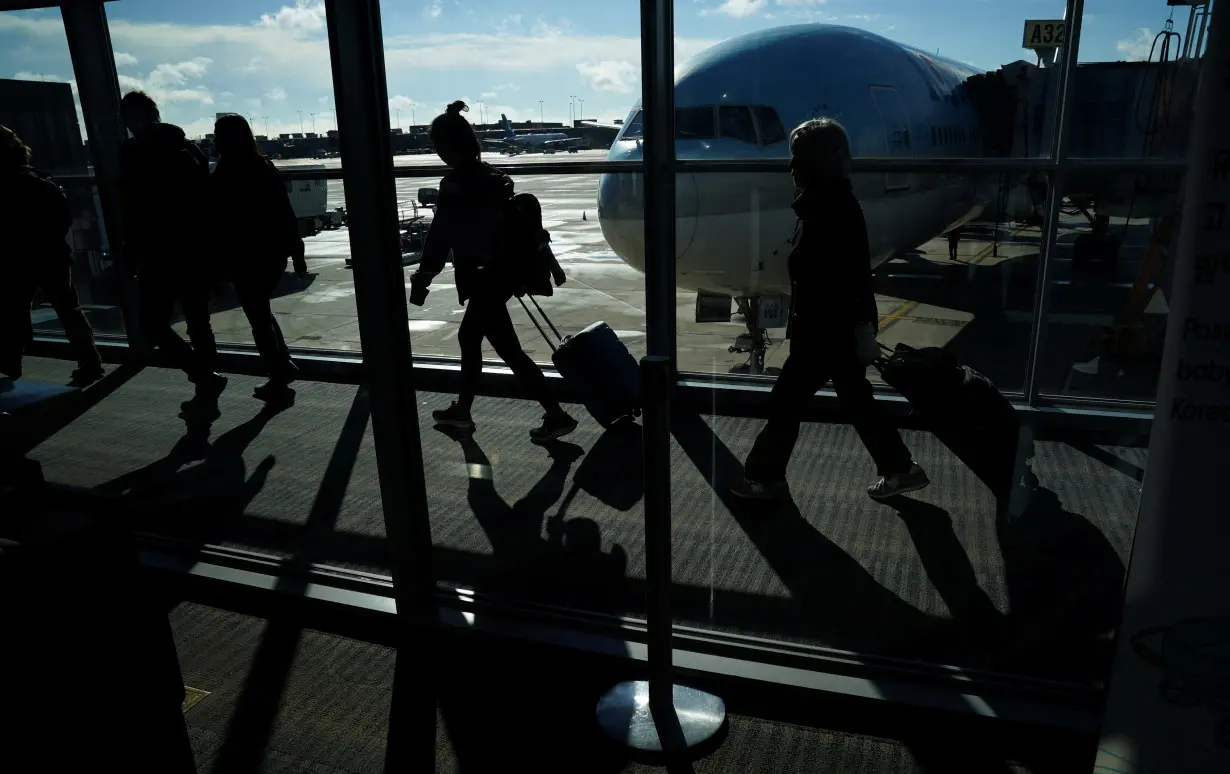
457, 108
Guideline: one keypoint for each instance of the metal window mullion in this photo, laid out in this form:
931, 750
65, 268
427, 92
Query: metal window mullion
357, 54
658, 100
1054, 198
98, 88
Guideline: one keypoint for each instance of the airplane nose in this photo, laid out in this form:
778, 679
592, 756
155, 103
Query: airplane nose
621, 214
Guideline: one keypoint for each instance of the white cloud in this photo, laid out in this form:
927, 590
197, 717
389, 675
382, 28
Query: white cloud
306, 16
433, 9
610, 75
509, 23
801, 2
488, 95
226, 95
178, 73
1136, 49
401, 102
255, 104
542, 29
169, 82
123, 59
277, 94
325, 99
737, 9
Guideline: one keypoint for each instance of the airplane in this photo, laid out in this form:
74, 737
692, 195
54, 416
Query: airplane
740, 99
548, 142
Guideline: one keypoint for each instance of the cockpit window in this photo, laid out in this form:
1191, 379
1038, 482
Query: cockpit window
694, 123
691, 123
771, 129
735, 122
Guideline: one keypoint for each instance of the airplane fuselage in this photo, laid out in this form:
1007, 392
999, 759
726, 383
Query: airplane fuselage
741, 98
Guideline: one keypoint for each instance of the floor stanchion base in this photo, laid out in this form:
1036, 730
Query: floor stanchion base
625, 716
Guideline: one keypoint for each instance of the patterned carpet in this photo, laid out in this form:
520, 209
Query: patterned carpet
936, 576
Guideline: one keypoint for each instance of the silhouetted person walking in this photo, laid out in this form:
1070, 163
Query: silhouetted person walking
36, 256
467, 223
164, 179
833, 322
256, 230
954, 241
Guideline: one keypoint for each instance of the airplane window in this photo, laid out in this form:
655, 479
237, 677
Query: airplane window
693, 123
690, 122
634, 129
735, 121
771, 129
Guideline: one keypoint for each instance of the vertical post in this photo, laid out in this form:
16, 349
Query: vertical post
1061, 123
1165, 699
89, 46
656, 389
657, 715
658, 101
356, 50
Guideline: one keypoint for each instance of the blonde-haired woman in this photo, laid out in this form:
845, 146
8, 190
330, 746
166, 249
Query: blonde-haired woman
833, 323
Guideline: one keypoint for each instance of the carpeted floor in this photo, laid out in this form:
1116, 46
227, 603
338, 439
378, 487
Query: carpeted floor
935, 576
283, 698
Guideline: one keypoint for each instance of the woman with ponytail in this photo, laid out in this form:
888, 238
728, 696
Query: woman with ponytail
466, 225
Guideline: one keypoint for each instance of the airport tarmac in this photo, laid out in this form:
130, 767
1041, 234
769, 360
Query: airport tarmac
980, 302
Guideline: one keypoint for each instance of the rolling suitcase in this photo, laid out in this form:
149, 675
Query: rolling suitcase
599, 365
962, 408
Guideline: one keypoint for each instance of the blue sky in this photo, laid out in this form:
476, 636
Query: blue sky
270, 59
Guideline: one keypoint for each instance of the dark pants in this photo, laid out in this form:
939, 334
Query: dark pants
55, 279
255, 290
487, 317
156, 304
816, 358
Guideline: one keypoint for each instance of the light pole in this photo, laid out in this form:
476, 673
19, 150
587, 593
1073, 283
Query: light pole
581, 108
313, 115
266, 125
397, 112
540, 118
300, 122
572, 108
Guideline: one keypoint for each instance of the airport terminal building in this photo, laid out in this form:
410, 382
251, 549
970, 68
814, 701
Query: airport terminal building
1046, 234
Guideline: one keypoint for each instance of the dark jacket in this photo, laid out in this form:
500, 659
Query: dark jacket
468, 222
830, 265
38, 218
253, 223
163, 177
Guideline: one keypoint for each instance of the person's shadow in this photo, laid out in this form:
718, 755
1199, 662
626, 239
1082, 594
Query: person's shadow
195, 502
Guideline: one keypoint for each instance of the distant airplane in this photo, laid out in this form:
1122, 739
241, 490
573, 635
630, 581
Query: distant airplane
739, 99
511, 142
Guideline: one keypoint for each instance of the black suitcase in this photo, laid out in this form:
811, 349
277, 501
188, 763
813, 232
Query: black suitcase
598, 364
961, 407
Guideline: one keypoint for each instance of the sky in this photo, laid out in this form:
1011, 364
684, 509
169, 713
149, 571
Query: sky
529, 59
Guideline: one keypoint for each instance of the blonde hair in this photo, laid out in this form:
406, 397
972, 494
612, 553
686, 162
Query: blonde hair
824, 144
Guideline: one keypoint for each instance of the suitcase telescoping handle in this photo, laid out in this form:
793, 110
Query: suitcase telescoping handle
545, 319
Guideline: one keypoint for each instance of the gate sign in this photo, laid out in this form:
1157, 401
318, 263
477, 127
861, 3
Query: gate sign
1044, 33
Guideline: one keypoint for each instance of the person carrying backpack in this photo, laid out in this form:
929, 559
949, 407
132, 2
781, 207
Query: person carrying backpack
164, 178
477, 221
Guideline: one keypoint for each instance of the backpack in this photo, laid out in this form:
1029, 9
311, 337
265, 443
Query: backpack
530, 265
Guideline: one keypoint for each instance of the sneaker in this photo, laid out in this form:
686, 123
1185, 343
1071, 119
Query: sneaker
749, 489
210, 385
554, 425
87, 374
455, 417
899, 483
274, 392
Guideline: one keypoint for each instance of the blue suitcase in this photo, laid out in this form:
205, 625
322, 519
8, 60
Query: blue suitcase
598, 364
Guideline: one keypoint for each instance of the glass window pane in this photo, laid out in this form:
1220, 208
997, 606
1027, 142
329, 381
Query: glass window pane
771, 129
560, 522
694, 123
735, 122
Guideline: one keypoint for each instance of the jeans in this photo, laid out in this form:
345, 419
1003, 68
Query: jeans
487, 317
816, 358
55, 278
157, 294
255, 290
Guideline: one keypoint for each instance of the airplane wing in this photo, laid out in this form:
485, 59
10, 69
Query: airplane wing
602, 125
